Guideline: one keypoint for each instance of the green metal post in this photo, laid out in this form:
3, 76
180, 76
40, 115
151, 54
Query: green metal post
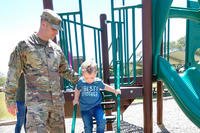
70, 41
168, 38
134, 49
120, 45
76, 40
82, 30
74, 119
165, 46
118, 97
113, 39
99, 48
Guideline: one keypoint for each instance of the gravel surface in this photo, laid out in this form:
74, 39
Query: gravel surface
174, 120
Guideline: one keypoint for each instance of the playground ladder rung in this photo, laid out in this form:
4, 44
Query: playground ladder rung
108, 103
106, 97
109, 119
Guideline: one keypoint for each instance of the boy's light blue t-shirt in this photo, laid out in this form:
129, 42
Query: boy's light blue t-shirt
90, 94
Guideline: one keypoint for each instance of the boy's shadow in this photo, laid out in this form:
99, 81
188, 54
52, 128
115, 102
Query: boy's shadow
131, 128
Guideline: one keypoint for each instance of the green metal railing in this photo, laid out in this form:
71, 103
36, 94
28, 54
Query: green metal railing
123, 46
124, 41
72, 41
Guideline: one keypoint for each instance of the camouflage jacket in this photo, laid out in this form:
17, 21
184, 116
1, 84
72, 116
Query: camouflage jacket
42, 64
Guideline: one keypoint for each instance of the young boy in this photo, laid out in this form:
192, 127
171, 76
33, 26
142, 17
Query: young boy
87, 94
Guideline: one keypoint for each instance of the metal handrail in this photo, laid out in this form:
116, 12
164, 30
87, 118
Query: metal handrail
74, 119
118, 96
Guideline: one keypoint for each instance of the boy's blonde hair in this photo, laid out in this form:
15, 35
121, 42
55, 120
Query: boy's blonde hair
89, 66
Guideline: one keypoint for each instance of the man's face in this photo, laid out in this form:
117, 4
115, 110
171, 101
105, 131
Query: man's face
50, 31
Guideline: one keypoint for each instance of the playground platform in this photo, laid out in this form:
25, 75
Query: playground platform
173, 118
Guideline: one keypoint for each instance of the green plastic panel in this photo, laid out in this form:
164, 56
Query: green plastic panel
160, 14
185, 88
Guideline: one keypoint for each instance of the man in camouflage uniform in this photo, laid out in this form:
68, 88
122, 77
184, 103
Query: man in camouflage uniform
42, 62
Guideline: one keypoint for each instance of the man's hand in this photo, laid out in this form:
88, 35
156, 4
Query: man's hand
12, 109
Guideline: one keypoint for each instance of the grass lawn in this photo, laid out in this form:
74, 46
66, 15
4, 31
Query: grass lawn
4, 114
154, 96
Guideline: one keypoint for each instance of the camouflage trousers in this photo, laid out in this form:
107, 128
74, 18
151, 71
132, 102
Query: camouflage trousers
45, 119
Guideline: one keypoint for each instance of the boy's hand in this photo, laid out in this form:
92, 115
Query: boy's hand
117, 91
75, 102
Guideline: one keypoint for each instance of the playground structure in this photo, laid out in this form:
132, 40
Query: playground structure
116, 66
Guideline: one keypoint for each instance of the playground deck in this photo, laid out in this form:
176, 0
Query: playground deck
174, 120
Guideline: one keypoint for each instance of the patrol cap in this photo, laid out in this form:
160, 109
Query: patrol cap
52, 18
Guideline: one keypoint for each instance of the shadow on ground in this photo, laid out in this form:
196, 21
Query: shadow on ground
128, 128
163, 129
131, 128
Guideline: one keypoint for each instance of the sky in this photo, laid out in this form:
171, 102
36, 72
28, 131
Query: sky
21, 18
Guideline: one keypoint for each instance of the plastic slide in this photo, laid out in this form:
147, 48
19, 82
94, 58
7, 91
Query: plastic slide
185, 88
